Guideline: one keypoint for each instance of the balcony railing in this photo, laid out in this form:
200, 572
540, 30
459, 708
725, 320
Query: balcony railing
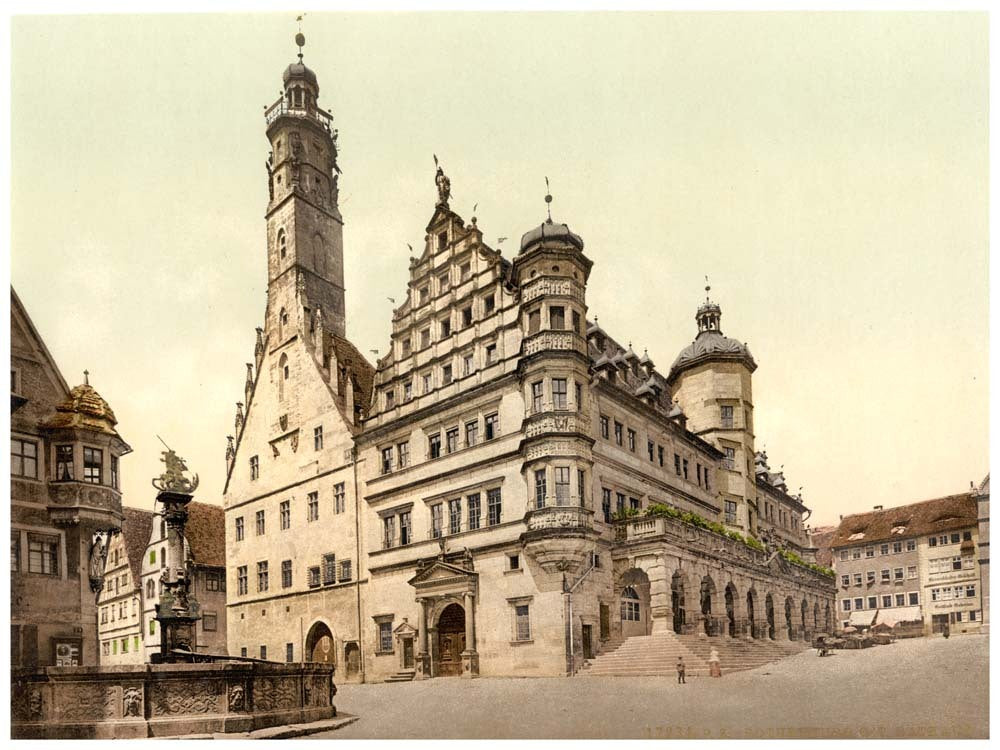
559, 517
281, 107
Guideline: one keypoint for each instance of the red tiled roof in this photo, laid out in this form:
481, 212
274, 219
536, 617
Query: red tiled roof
137, 525
918, 519
821, 538
206, 533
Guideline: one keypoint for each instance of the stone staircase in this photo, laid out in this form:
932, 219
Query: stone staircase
405, 675
657, 654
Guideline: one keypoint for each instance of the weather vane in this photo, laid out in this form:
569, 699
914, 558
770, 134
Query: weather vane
708, 288
300, 38
548, 199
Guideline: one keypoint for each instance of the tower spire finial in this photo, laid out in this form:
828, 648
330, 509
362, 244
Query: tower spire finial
548, 199
708, 287
86, 377
300, 38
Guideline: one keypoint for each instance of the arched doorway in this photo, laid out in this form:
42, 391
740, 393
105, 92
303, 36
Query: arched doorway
634, 603
450, 640
805, 617
769, 612
708, 593
319, 644
677, 601
792, 635
751, 613
731, 610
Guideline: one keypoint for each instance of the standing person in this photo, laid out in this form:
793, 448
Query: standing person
714, 668
680, 670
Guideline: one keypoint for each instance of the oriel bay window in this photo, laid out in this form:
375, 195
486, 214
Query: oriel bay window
536, 397
540, 488
64, 463
557, 318
559, 400
562, 485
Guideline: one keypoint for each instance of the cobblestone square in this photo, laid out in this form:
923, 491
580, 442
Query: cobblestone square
924, 687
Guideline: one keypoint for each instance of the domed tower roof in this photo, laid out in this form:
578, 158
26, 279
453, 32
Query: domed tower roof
83, 409
548, 231
298, 71
710, 344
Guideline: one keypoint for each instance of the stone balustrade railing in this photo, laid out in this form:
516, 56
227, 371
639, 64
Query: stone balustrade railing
559, 517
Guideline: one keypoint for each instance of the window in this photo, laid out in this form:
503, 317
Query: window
390, 398
467, 364
914, 598
289, 652
911, 545
955, 538
260, 523
114, 472
513, 562
209, 621
437, 519
318, 438
911, 571
464, 270
559, 400
557, 318
869, 552
966, 536
241, 581
620, 502
443, 281
254, 467
446, 374
659, 452
846, 605
24, 458
562, 485
15, 551
388, 532
489, 305
313, 576
345, 571
445, 328
897, 574
424, 294
522, 625
870, 576
540, 488
451, 440
581, 485
650, 449
312, 506
855, 554
729, 461
534, 321
434, 446
631, 440
405, 530
243, 651
471, 433
845, 580
407, 345
64, 462
897, 547
262, 576
43, 554
970, 590
425, 338
872, 602
454, 516
338, 497
536, 397
578, 395
604, 427
474, 511
633, 503
630, 605
684, 461
239, 537
887, 600
886, 577
859, 603
900, 600
387, 460
402, 455
727, 417
466, 316
491, 353
677, 464
494, 507
286, 514
385, 637
730, 512
263, 652
858, 580
618, 432
215, 581
329, 569
492, 424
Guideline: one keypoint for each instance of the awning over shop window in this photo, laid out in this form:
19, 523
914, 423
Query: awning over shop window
899, 614
862, 619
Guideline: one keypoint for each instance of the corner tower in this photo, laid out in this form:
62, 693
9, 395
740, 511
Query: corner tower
305, 245
711, 381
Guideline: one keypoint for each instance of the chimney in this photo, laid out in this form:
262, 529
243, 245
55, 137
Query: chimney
878, 507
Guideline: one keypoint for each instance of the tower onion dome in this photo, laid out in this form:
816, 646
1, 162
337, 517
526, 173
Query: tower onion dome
83, 409
298, 71
710, 344
549, 232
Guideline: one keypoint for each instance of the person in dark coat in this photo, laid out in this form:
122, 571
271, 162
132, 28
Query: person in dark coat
680, 670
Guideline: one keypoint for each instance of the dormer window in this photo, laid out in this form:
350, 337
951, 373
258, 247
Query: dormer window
465, 270
442, 240
406, 347
424, 293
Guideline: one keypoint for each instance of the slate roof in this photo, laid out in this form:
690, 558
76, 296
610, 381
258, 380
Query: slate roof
821, 538
711, 345
917, 519
206, 534
548, 230
137, 525
364, 373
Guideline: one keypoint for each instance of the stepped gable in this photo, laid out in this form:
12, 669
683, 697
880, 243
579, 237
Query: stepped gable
925, 518
206, 534
137, 526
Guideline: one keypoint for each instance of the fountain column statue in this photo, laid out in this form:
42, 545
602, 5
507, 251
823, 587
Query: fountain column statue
178, 610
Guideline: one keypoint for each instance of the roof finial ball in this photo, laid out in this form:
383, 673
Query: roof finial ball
300, 39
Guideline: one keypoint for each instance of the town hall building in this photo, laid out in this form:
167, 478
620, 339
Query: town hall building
510, 490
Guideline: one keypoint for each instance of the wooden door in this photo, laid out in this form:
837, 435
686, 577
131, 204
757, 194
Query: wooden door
588, 648
605, 622
407, 653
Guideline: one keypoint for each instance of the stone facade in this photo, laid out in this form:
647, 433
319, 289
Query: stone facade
119, 604
65, 499
510, 488
912, 566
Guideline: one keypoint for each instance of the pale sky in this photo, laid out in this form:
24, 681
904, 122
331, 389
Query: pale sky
829, 172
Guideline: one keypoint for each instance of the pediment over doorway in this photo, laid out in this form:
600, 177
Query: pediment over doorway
439, 577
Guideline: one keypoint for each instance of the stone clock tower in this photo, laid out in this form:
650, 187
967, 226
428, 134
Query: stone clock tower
305, 247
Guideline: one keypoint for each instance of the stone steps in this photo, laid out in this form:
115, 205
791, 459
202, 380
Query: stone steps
657, 654
405, 675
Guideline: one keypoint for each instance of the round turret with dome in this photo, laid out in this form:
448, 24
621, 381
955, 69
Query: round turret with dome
710, 344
